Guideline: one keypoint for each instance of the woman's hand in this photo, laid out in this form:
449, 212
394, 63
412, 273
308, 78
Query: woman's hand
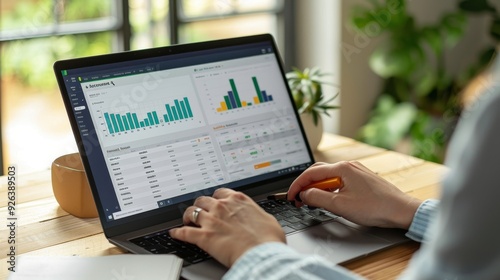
363, 198
229, 224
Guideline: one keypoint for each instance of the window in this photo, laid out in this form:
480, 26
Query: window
34, 128
159, 22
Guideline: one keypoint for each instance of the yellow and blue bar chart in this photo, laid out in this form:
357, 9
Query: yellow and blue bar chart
232, 99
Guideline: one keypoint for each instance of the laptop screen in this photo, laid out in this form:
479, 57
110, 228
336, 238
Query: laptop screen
163, 128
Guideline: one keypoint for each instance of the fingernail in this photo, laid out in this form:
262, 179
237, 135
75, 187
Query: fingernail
297, 197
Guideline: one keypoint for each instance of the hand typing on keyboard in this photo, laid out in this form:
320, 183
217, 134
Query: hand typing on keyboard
229, 224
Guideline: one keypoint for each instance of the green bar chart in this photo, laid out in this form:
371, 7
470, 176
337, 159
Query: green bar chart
127, 121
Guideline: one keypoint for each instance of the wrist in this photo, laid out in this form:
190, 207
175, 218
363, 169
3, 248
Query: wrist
233, 259
251, 245
404, 216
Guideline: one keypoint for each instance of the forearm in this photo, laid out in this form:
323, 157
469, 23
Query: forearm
278, 261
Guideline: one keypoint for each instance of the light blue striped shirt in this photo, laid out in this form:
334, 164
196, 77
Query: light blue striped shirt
278, 261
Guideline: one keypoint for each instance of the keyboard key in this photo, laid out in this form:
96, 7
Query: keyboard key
304, 217
310, 222
292, 219
323, 218
283, 223
298, 226
288, 229
287, 214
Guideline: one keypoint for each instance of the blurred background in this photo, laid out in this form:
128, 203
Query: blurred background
398, 65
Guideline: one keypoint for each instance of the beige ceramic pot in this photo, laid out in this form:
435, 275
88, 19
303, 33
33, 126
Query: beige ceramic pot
71, 187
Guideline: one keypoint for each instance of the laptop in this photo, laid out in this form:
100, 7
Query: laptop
157, 128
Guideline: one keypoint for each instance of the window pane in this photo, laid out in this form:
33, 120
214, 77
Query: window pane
149, 22
257, 5
25, 14
28, 15
35, 126
205, 8
85, 10
228, 27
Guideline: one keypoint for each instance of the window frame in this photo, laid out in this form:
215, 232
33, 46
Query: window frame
285, 24
121, 27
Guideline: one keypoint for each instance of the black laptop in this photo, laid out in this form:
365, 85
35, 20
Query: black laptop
157, 128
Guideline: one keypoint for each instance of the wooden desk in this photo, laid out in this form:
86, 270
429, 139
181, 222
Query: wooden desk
45, 229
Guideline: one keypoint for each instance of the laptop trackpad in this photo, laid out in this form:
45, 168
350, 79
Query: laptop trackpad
336, 242
210, 269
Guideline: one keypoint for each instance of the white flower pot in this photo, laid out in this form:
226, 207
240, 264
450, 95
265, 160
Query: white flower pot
313, 132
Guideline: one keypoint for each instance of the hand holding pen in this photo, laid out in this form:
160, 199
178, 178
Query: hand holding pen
361, 196
329, 184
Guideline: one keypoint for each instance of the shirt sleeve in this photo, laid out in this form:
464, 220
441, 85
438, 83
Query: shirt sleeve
463, 240
425, 214
278, 261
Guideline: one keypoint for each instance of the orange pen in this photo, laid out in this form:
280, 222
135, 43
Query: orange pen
327, 184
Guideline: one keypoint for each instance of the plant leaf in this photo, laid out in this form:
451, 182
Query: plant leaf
361, 17
315, 116
476, 6
495, 29
388, 126
453, 27
392, 62
426, 84
486, 57
307, 91
432, 37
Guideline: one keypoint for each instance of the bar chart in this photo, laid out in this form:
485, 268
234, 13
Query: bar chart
121, 122
233, 101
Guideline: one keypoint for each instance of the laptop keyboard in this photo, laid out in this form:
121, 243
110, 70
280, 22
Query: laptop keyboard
162, 243
290, 218
293, 219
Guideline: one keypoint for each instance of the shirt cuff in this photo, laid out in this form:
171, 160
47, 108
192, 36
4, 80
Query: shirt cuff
423, 217
278, 261
241, 268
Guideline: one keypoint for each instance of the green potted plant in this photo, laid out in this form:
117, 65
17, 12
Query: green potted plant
419, 101
310, 101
